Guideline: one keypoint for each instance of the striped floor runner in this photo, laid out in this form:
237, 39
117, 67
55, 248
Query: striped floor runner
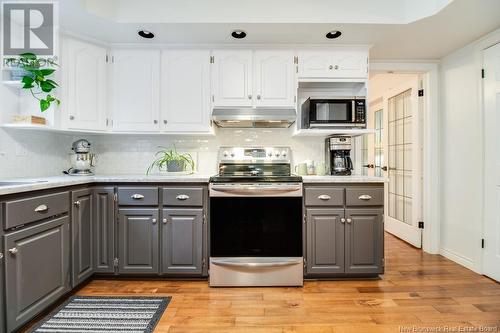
81, 314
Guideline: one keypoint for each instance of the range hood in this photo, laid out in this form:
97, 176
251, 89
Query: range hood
254, 118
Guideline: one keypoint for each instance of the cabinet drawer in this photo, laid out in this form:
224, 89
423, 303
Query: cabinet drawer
183, 196
324, 196
364, 196
138, 196
31, 209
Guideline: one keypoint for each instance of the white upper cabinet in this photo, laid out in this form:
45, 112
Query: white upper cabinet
274, 79
333, 64
185, 91
84, 67
136, 90
232, 78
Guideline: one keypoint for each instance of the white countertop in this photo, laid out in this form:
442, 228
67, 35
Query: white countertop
65, 180
343, 179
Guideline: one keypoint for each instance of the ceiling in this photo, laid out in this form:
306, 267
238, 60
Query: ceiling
396, 29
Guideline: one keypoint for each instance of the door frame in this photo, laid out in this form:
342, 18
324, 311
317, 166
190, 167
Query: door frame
430, 141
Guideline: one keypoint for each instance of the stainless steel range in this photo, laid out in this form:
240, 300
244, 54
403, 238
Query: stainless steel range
255, 219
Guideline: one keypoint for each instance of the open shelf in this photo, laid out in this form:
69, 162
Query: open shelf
327, 132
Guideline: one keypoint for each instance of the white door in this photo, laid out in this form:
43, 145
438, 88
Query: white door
274, 79
491, 254
185, 91
136, 88
315, 64
232, 78
85, 67
347, 64
403, 207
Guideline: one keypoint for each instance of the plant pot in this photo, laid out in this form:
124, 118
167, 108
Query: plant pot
176, 166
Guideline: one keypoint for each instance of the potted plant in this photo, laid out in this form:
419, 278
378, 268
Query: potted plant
34, 76
170, 160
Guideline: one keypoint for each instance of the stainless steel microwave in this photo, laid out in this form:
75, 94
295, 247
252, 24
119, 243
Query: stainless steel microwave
338, 112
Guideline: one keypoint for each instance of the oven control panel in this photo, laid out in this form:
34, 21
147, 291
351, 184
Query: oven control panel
261, 154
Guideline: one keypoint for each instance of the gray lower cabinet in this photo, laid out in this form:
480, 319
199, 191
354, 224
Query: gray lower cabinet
182, 241
2, 290
325, 241
83, 234
104, 230
364, 241
37, 269
138, 242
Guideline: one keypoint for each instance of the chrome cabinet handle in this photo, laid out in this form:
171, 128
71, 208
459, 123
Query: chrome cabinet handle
154, 221
342, 220
324, 197
365, 197
349, 221
182, 197
137, 196
165, 221
1, 255
249, 96
77, 203
14, 250
41, 209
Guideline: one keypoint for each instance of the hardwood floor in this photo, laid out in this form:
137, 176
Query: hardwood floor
418, 290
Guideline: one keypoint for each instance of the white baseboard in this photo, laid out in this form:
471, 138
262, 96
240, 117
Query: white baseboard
460, 259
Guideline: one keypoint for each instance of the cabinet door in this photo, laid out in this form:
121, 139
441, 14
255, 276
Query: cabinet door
182, 241
232, 78
185, 97
82, 226
315, 64
350, 64
85, 67
104, 231
37, 269
2, 290
325, 241
274, 79
364, 241
136, 90
138, 243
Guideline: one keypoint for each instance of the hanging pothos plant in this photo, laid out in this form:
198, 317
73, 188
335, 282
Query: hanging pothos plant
36, 79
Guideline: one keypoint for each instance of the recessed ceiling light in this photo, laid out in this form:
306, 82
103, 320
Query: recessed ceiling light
146, 34
238, 34
333, 34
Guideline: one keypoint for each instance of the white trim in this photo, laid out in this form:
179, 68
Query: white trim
397, 228
458, 258
431, 188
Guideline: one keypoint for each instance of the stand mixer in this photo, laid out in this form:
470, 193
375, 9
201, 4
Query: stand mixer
81, 160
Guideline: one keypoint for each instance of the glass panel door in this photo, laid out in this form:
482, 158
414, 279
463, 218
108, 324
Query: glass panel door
378, 142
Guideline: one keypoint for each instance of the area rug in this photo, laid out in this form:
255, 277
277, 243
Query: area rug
104, 315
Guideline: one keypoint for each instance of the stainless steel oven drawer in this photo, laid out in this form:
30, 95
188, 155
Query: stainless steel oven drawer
365, 196
183, 196
138, 196
255, 272
31, 209
324, 196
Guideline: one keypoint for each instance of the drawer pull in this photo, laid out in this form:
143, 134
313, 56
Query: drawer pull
342, 220
365, 197
349, 221
182, 197
137, 196
14, 250
324, 197
41, 209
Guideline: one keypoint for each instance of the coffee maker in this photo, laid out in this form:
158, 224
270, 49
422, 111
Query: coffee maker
81, 160
338, 155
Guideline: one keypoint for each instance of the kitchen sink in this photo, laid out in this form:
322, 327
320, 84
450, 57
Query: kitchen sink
13, 183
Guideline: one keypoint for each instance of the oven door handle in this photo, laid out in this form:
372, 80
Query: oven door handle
247, 264
257, 190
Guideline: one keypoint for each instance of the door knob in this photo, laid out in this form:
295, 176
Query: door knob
258, 96
342, 220
249, 96
165, 122
369, 166
165, 221
14, 250
336, 66
384, 168
1, 255
153, 220
330, 67
71, 117
349, 221
77, 203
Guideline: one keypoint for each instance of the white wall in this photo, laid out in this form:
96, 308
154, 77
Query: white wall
461, 158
